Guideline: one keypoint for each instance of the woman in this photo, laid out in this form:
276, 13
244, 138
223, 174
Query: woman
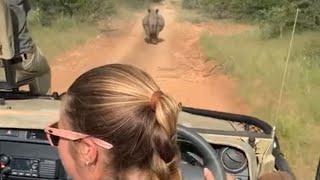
116, 123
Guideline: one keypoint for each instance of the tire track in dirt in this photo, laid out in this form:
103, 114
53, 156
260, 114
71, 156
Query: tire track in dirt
176, 63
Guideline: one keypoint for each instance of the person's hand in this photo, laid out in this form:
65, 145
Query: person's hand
209, 176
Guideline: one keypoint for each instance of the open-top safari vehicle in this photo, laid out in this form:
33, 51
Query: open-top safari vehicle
243, 146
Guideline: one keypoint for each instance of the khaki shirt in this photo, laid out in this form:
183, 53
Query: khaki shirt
22, 39
6, 32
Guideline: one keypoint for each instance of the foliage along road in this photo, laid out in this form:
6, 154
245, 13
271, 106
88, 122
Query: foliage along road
176, 63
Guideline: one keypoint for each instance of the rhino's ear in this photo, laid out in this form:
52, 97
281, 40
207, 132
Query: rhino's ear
149, 10
157, 10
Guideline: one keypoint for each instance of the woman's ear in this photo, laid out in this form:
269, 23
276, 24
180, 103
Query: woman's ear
88, 151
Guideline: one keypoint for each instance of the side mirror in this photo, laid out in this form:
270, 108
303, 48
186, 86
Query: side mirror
318, 171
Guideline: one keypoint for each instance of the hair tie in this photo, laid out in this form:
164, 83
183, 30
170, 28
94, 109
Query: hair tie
154, 99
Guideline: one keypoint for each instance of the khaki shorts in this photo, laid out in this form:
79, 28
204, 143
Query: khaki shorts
36, 66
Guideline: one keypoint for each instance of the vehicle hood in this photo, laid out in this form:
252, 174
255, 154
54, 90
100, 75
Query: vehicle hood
29, 113
38, 113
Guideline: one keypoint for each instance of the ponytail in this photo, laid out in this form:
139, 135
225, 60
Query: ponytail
127, 109
165, 151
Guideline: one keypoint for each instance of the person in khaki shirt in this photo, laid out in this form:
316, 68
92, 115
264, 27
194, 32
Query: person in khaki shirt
6, 33
17, 46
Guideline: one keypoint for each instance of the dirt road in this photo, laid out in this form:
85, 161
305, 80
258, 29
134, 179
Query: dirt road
176, 63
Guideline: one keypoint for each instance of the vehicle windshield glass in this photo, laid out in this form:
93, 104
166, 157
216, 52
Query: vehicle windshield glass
256, 58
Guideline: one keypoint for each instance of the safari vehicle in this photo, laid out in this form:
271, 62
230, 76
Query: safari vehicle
243, 146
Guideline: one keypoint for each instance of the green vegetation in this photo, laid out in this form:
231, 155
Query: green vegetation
274, 16
62, 35
191, 16
188, 14
256, 60
258, 66
81, 10
136, 4
60, 25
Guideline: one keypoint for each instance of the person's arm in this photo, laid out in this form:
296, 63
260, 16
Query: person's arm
23, 42
6, 32
209, 176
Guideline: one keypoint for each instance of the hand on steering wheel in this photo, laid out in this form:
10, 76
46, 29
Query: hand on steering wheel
208, 153
209, 176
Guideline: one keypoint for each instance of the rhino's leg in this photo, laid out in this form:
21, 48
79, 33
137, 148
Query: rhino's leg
157, 36
149, 38
154, 38
147, 31
154, 41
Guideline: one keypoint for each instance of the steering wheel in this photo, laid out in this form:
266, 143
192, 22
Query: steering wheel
209, 155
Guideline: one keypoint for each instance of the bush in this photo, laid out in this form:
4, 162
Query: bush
137, 4
94, 9
311, 53
276, 20
274, 15
82, 9
258, 67
217, 8
191, 4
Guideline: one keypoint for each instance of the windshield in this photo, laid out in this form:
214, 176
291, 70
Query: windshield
260, 58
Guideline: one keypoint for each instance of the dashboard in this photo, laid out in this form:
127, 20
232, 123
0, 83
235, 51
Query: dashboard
232, 160
26, 154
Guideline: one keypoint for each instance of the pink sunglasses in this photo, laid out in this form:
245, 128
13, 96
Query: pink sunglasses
54, 134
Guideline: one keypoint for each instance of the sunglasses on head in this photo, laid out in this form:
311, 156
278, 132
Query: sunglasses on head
54, 134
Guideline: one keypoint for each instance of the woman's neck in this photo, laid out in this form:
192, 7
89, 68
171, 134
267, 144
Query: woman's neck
131, 174
135, 174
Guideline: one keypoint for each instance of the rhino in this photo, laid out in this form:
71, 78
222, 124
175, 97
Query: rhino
153, 23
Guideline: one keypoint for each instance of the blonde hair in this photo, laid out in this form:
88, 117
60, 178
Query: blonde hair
117, 103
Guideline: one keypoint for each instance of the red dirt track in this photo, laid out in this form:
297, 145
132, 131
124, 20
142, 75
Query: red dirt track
177, 63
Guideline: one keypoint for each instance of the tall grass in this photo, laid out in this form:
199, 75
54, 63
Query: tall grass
63, 34
134, 4
258, 65
190, 15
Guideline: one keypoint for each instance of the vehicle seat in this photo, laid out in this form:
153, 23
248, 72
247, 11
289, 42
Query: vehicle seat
9, 78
